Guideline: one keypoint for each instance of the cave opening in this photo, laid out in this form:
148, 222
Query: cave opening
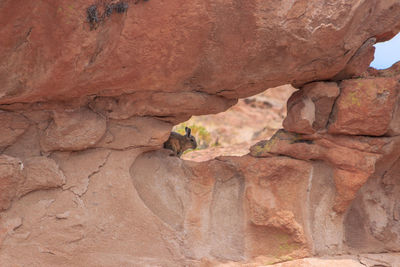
234, 131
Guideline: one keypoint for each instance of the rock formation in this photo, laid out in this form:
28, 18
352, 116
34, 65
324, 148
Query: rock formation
354, 150
88, 97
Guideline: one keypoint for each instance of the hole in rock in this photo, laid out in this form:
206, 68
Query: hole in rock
233, 132
387, 53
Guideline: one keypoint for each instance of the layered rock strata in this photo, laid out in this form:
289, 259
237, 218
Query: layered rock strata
320, 187
358, 146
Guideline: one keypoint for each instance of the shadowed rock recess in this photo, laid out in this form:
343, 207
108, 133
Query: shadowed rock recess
87, 103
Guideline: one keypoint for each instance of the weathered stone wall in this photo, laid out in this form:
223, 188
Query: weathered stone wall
225, 48
85, 111
354, 147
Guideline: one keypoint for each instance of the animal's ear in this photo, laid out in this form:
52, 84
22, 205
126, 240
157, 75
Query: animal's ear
188, 131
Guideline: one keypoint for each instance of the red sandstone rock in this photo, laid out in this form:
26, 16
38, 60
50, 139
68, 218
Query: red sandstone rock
301, 114
310, 107
135, 132
13, 125
322, 262
273, 192
359, 62
388, 259
10, 177
50, 52
347, 185
112, 205
79, 167
214, 199
19, 178
394, 73
365, 106
253, 206
75, 130
354, 160
40, 173
163, 105
373, 216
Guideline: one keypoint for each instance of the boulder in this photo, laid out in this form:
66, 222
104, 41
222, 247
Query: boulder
13, 126
40, 173
309, 108
10, 178
76, 130
365, 106
217, 48
135, 132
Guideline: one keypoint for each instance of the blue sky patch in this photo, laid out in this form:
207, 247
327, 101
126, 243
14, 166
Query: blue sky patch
387, 53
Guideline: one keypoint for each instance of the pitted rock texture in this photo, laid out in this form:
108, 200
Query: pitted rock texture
220, 48
377, 203
361, 171
353, 159
366, 106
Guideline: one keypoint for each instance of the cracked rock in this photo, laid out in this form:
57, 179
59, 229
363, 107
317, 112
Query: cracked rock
78, 167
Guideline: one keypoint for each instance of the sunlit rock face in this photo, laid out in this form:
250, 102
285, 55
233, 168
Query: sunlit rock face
51, 50
360, 144
86, 105
233, 208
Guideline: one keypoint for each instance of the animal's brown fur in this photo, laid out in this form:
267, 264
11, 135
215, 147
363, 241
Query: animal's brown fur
180, 143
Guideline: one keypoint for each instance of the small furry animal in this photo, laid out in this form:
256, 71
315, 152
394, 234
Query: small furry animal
179, 143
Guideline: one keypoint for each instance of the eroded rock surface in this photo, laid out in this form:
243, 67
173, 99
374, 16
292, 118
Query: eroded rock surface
11, 176
135, 132
21, 177
295, 195
40, 173
361, 171
309, 108
216, 48
75, 130
221, 209
13, 125
365, 106
85, 110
